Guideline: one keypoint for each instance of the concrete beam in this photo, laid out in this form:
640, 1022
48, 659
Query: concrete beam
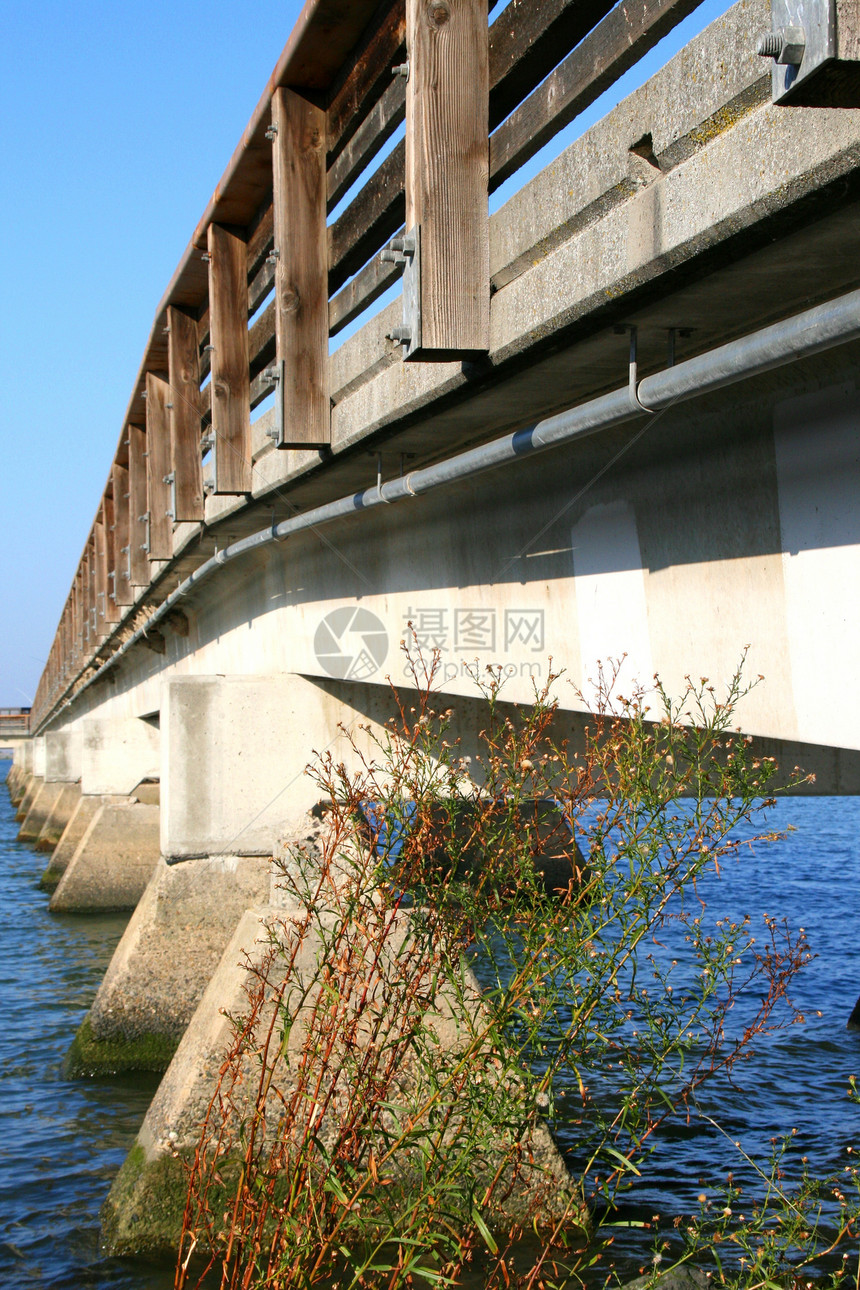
235, 752
113, 861
117, 753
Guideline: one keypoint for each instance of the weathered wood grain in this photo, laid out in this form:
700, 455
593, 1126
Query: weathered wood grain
137, 505
157, 467
184, 376
119, 475
301, 269
228, 325
447, 173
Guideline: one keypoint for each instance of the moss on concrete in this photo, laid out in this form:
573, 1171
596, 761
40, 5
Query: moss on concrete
143, 1212
51, 877
145, 1207
91, 1055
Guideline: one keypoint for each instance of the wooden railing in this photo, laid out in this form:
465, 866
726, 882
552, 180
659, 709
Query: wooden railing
14, 723
270, 275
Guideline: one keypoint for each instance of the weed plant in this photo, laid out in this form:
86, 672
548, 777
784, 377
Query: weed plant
381, 1117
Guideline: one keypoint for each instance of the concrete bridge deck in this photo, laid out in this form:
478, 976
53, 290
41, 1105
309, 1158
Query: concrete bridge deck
625, 422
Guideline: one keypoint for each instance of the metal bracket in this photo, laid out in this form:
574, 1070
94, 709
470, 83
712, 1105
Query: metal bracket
406, 250
171, 480
126, 551
802, 39
274, 375
145, 544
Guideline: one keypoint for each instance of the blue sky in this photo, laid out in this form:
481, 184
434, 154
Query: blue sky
116, 123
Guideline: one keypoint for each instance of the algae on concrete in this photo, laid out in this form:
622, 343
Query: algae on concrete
90, 1055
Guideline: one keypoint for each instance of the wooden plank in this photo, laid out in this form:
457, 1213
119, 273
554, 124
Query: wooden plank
301, 269
361, 291
261, 341
184, 376
137, 505
366, 75
112, 610
527, 41
375, 130
158, 497
228, 321
123, 592
617, 42
447, 172
372, 217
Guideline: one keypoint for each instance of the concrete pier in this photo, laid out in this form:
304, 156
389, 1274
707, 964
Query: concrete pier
164, 962
40, 811
113, 861
31, 789
65, 805
67, 844
144, 1210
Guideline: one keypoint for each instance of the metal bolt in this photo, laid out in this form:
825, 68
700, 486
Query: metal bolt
402, 335
205, 257
273, 256
786, 46
401, 69
272, 132
769, 45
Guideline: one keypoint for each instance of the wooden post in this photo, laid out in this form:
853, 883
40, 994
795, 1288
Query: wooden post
101, 570
79, 608
301, 269
447, 172
112, 614
184, 376
158, 493
123, 592
137, 527
231, 385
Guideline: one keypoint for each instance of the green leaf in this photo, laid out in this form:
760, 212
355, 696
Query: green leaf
485, 1232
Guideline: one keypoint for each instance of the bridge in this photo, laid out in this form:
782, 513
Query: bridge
613, 414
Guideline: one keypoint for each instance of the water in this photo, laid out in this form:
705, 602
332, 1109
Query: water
62, 1142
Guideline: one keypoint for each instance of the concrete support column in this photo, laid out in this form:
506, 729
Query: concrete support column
117, 753
40, 811
22, 769
39, 753
234, 752
63, 755
65, 804
113, 861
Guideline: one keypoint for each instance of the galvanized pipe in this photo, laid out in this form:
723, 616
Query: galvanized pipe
823, 327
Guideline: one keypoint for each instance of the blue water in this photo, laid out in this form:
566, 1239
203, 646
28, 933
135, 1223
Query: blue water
61, 1142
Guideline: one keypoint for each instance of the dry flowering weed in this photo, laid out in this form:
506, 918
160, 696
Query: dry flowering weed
471, 950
